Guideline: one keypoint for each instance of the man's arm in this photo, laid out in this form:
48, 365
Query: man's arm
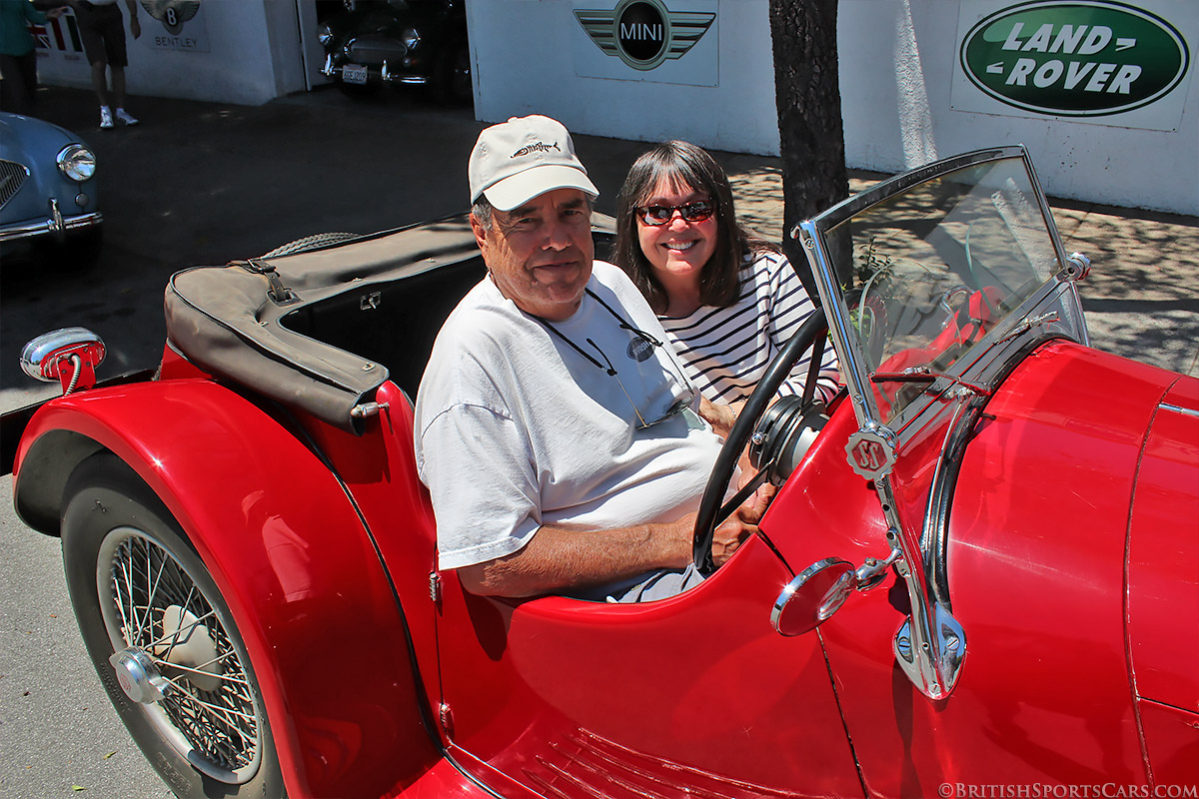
556, 559
135, 26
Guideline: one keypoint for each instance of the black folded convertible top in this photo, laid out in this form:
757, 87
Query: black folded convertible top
227, 319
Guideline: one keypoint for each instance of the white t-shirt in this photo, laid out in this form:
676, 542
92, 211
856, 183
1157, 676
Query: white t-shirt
515, 428
726, 350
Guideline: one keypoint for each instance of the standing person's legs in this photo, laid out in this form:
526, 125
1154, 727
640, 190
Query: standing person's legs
113, 31
28, 67
17, 89
118, 85
91, 25
100, 82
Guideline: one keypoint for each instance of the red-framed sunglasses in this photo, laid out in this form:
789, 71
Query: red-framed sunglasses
655, 215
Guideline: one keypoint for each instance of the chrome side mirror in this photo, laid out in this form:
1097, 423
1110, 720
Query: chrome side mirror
820, 590
69, 355
813, 596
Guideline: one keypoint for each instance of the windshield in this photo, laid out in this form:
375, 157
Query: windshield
924, 275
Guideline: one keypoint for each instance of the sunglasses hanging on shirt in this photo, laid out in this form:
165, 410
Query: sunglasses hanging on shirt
606, 366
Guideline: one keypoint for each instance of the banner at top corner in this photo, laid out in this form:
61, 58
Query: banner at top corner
1106, 62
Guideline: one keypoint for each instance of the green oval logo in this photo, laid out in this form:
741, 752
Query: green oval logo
1082, 58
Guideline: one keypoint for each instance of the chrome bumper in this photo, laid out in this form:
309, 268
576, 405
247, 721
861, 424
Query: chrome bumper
57, 225
329, 71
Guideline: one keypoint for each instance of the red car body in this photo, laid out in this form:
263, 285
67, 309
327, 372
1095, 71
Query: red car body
1071, 560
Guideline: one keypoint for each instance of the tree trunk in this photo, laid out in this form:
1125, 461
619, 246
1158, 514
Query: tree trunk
808, 97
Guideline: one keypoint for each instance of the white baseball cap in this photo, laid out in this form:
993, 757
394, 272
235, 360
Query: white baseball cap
523, 158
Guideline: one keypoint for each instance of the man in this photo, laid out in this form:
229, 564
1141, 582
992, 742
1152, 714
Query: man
557, 435
103, 34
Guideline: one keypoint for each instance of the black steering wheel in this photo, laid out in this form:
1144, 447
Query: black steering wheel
811, 335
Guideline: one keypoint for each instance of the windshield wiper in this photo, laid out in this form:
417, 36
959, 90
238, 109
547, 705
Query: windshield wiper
1029, 323
922, 374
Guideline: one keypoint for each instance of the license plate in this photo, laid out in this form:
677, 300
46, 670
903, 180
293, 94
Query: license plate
353, 73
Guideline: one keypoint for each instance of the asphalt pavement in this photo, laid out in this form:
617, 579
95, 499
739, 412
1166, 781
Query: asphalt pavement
205, 183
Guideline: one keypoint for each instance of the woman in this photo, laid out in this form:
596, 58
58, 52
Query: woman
728, 301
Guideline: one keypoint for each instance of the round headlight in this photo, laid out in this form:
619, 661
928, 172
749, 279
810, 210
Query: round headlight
410, 38
76, 162
324, 34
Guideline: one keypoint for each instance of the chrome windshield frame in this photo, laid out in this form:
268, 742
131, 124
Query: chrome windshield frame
930, 646
814, 235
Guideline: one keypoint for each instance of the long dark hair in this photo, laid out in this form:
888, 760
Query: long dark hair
681, 163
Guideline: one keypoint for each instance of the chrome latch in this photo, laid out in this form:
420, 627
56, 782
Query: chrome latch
1078, 266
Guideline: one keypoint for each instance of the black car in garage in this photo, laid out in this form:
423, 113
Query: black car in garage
415, 42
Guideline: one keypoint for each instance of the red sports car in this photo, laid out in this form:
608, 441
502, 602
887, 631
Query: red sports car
979, 576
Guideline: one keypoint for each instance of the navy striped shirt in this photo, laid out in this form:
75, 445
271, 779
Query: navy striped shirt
725, 351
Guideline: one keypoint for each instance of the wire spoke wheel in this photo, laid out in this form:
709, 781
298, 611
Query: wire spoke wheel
152, 605
163, 639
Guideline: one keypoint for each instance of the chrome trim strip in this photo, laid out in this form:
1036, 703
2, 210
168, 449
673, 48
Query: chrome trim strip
934, 538
1165, 406
68, 223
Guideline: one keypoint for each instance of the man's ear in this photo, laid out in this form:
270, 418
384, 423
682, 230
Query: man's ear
480, 232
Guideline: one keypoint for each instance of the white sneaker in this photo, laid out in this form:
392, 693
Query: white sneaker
105, 118
126, 117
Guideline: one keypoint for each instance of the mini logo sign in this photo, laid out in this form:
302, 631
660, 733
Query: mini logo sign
1082, 58
644, 33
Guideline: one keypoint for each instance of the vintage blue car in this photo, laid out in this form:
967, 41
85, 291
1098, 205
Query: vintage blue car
49, 204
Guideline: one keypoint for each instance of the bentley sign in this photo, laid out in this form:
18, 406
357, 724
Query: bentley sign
1087, 58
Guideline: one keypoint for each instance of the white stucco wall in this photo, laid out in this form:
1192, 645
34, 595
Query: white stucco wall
238, 51
897, 61
898, 112
526, 62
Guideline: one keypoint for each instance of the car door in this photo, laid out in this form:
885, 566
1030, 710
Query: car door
696, 694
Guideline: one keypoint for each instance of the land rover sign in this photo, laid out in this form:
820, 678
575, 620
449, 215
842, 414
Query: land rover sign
1086, 58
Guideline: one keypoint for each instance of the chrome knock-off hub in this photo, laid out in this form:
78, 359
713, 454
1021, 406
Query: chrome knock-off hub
138, 676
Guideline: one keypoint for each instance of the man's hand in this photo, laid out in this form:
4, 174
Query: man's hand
720, 416
740, 525
556, 559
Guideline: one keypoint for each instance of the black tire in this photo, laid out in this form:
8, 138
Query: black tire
314, 242
112, 519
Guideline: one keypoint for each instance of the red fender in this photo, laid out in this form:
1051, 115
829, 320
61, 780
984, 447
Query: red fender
290, 554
